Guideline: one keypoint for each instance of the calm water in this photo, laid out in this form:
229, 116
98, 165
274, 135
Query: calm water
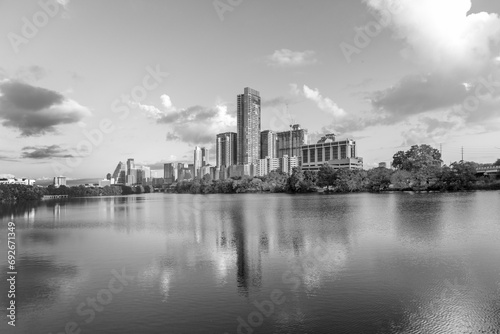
166, 263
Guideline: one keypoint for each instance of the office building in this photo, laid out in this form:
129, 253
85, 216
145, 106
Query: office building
205, 156
146, 174
290, 142
59, 181
225, 149
338, 154
287, 164
120, 173
268, 144
130, 165
248, 127
197, 161
170, 172
266, 166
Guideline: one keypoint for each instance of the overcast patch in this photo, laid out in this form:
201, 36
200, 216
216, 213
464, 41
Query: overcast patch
35, 110
44, 152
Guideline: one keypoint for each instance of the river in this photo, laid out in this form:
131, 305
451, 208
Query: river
256, 263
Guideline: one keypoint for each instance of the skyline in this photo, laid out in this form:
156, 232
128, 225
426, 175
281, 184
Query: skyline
427, 77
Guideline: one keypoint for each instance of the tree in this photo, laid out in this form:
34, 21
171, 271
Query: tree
401, 179
326, 176
459, 176
298, 182
416, 158
379, 179
497, 163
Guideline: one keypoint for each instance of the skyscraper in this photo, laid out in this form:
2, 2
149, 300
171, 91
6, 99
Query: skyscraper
268, 145
197, 160
120, 173
291, 148
248, 127
225, 149
130, 165
205, 156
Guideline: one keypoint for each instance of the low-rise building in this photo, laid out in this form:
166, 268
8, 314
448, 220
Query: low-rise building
338, 154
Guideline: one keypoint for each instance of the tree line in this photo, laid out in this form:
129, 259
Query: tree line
419, 168
10, 193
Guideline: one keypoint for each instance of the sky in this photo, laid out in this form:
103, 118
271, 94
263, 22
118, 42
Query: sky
86, 84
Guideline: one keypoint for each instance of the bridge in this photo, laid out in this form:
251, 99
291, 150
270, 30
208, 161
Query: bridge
54, 196
488, 170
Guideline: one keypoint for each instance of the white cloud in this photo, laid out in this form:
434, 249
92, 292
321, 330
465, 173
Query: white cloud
289, 58
323, 103
154, 112
453, 50
440, 36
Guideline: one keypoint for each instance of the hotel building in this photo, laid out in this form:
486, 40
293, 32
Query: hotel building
338, 154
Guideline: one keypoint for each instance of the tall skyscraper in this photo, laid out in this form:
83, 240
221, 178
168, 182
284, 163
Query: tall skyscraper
120, 173
205, 156
268, 145
197, 160
130, 165
170, 172
290, 142
248, 127
225, 149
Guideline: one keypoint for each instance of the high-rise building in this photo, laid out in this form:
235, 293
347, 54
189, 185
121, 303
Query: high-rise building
205, 156
290, 142
225, 149
130, 165
248, 127
197, 161
170, 172
120, 173
268, 145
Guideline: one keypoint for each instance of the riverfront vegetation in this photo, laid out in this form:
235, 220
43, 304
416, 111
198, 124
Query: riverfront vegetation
419, 169
16, 192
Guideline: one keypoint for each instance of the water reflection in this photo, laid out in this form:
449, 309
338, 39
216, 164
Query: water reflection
359, 263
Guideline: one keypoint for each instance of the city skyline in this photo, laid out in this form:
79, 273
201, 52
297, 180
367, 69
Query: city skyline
161, 91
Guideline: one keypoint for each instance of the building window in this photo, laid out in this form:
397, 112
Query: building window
327, 153
335, 153
320, 154
312, 155
304, 156
343, 152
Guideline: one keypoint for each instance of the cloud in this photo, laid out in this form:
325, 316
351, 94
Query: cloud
44, 152
289, 58
154, 112
416, 94
197, 124
452, 51
193, 125
323, 103
35, 110
441, 36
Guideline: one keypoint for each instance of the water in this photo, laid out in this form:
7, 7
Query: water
253, 263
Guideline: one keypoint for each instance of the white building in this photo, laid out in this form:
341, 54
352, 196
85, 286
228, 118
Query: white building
25, 181
338, 154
